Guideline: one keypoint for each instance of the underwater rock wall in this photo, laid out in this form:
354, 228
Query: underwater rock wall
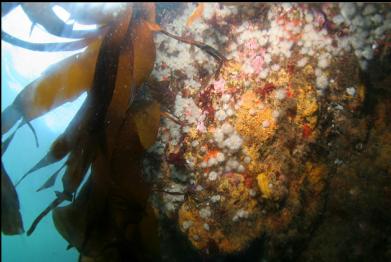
281, 146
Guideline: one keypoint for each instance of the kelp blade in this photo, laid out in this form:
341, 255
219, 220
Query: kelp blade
60, 83
51, 180
147, 121
44, 15
46, 47
8, 7
11, 220
93, 112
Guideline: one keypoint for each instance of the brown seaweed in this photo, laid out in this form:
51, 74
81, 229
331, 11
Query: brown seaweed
44, 15
11, 219
46, 47
108, 134
93, 111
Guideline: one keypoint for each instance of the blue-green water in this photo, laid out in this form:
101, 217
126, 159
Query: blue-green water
45, 244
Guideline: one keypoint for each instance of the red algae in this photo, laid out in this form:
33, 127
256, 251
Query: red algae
307, 131
265, 90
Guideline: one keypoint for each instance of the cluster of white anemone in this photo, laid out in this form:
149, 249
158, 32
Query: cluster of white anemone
366, 24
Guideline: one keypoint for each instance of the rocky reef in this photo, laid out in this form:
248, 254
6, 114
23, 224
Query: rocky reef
282, 153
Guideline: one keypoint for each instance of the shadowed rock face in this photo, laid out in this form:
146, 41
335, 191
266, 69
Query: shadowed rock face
284, 182
334, 188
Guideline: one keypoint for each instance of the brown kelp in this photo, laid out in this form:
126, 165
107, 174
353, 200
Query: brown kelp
11, 220
104, 134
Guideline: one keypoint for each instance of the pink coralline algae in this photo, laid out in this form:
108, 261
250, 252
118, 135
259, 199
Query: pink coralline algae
257, 64
201, 127
219, 85
252, 44
319, 19
187, 112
